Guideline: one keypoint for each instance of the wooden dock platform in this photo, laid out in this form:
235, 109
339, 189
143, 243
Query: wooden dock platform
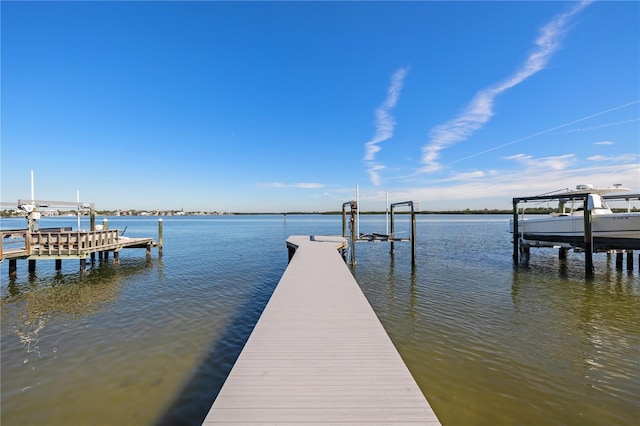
63, 244
71, 244
319, 354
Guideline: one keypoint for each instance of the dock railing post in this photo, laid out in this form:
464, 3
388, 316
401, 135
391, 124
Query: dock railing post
515, 231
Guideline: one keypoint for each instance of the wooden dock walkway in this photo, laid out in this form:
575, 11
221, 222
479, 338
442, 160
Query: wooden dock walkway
319, 354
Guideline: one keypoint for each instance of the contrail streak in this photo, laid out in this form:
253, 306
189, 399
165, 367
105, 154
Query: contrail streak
545, 131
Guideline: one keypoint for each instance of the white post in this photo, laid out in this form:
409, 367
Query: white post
78, 207
33, 196
386, 213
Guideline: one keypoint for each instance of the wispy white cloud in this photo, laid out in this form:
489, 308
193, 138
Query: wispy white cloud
603, 143
480, 109
385, 124
300, 185
559, 162
495, 190
467, 176
614, 158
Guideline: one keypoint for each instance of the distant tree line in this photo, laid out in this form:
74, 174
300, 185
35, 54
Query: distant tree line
530, 210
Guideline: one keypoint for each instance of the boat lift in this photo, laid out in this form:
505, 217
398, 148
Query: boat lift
356, 236
587, 245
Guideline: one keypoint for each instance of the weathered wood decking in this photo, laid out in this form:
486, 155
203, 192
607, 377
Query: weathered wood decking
319, 354
63, 244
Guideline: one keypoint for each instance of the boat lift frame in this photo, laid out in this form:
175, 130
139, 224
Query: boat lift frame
353, 205
588, 221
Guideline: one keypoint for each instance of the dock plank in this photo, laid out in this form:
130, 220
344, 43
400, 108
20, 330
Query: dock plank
319, 354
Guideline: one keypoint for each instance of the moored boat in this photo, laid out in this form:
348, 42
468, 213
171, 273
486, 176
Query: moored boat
566, 227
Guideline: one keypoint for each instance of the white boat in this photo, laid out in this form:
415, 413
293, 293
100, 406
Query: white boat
565, 228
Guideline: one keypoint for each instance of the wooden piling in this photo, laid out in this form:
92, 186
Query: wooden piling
32, 266
160, 226
619, 260
562, 253
629, 260
13, 267
58, 264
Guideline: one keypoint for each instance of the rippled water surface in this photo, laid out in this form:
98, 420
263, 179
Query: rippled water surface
150, 341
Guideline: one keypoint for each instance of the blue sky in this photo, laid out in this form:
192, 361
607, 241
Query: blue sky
287, 106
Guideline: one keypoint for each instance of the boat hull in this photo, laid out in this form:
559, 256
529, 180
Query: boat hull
616, 231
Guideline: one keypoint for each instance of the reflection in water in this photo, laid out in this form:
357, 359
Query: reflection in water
583, 331
27, 309
70, 294
489, 340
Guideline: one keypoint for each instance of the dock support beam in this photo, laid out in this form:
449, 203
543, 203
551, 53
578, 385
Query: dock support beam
629, 260
58, 264
32, 266
83, 265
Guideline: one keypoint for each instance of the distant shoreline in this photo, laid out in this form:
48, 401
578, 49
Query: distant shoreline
170, 213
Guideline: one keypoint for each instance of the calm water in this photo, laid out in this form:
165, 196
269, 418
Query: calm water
150, 341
